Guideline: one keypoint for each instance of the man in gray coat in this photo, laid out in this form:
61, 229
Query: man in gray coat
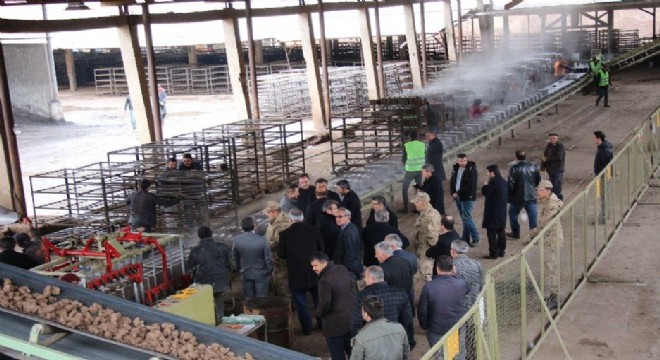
379, 338
209, 264
253, 259
143, 207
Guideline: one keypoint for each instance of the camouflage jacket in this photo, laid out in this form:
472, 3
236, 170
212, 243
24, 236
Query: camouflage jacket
427, 230
275, 226
547, 209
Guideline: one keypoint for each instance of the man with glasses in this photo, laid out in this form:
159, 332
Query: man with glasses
378, 202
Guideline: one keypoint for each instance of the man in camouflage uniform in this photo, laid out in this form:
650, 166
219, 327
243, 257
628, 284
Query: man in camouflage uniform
277, 221
425, 233
549, 206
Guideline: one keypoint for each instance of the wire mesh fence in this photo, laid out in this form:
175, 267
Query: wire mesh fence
525, 295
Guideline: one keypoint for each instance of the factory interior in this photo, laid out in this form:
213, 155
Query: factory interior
303, 94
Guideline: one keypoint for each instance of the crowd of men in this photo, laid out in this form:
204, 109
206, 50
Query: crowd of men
358, 273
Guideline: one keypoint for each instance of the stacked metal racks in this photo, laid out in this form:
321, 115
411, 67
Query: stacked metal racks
278, 144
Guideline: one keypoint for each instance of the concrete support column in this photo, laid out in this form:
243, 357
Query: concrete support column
506, 38
459, 41
422, 24
254, 89
137, 82
70, 69
192, 55
151, 71
610, 32
366, 41
12, 195
236, 66
313, 76
543, 36
413, 51
325, 44
485, 28
449, 30
380, 71
258, 52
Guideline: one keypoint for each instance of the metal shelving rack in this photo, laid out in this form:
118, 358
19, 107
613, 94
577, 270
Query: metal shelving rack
279, 146
363, 139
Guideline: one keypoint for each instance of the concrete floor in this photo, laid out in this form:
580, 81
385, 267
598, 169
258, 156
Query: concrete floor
635, 94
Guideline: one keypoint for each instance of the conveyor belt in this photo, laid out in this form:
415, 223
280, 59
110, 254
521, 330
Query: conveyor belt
204, 333
78, 343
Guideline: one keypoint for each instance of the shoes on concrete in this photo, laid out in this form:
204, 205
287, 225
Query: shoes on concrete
600, 222
501, 254
512, 235
474, 244
490, 257
307, 332
597, 103
606, 105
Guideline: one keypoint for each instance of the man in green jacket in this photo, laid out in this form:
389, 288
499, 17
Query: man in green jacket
414, 157
379, 339
603, 85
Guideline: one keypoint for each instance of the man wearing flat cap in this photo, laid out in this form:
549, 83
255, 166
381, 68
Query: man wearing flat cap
425, 233
549, 206
554, 160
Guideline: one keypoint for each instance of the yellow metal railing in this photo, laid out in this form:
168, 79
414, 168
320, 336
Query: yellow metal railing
511, 316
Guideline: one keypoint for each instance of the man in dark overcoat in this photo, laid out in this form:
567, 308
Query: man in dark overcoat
495, 190
296, 246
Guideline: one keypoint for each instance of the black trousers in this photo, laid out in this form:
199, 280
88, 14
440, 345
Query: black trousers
496, 241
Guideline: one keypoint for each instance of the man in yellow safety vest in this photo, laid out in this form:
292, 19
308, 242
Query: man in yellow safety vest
414, 156
603, 85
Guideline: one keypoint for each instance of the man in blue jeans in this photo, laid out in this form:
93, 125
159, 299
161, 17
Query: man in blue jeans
463, 187
523, 179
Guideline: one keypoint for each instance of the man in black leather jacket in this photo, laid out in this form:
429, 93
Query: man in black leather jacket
523, 179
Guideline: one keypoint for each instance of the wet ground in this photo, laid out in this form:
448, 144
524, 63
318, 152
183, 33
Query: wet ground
96, 125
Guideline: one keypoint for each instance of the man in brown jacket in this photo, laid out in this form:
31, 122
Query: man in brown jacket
549, 206
337, 298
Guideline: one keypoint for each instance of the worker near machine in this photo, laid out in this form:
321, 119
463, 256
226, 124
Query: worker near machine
143, 207
477, 109
208, 263
414, 155
351, 201
187, 163
603, 85
32, 248
253, 259
10, 257
560, 68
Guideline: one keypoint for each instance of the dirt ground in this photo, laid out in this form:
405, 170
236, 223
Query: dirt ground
96, 125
